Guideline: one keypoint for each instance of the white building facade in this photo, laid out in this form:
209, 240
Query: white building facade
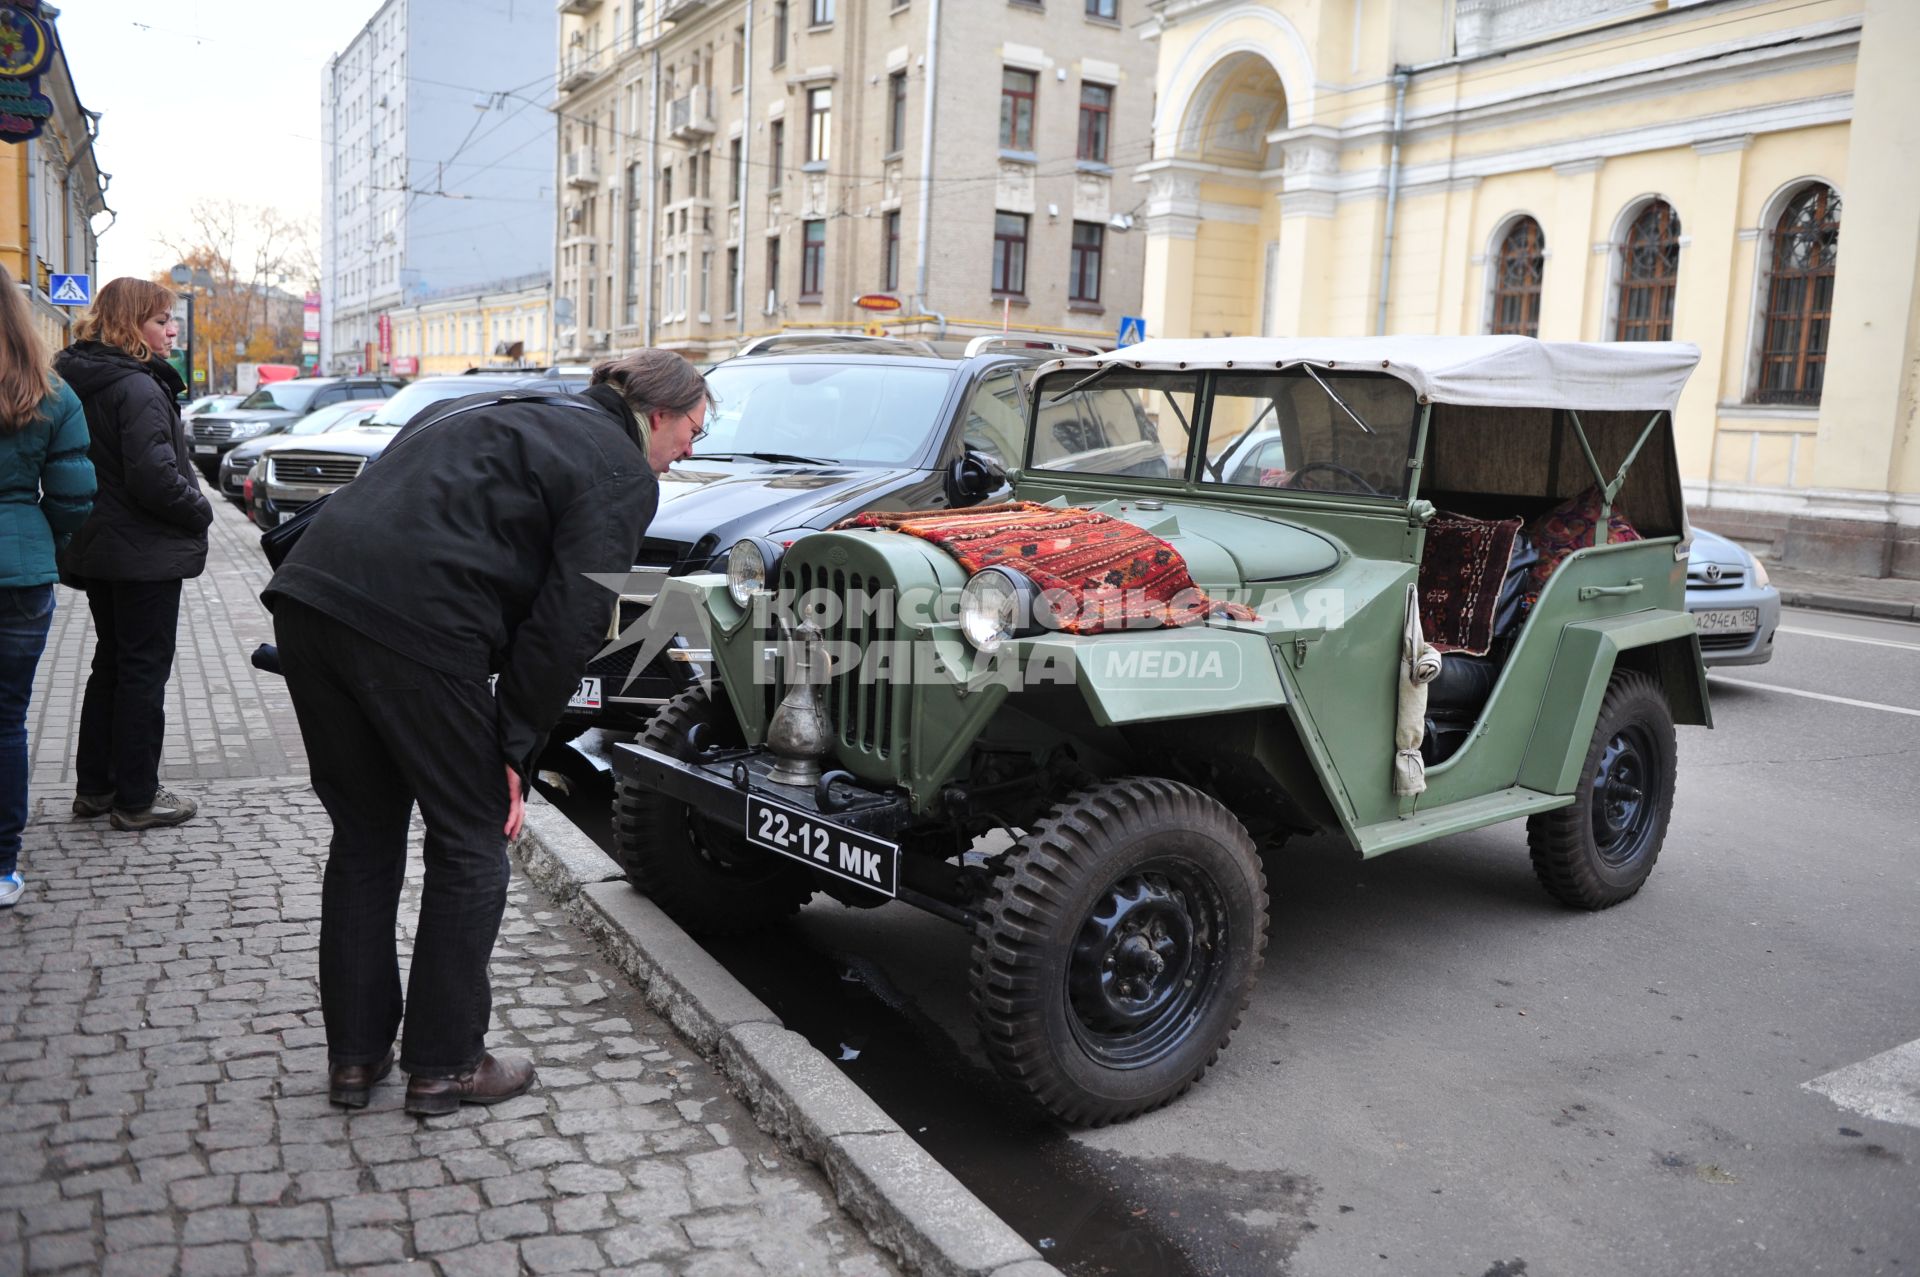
435, 133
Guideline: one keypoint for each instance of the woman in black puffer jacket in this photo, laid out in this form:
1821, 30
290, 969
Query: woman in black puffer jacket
147, 533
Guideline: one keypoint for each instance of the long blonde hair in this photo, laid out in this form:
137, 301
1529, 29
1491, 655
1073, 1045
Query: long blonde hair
24, 376
119, 308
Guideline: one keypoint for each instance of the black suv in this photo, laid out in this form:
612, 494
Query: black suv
271, 409
799, 438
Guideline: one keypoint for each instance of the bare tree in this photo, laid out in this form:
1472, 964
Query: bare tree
248, 251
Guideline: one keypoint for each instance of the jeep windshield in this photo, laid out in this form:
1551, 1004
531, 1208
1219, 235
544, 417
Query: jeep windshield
282, 396
853, 413
1334, 432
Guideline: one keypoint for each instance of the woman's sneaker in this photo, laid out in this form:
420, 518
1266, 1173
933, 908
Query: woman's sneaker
166, 809
11, 885
87, 806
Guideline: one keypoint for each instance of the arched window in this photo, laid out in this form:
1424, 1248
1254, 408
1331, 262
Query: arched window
1516, 280
1793, 345
1649, 269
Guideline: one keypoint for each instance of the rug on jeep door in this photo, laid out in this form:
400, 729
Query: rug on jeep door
1110, 575
1461, 570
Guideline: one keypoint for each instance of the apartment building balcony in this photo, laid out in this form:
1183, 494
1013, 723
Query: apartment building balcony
582, 167
1482, 26
577, 68
691, 115
578, 6
675, 10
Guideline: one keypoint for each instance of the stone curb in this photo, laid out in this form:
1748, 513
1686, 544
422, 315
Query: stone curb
1858, 605
908, 1203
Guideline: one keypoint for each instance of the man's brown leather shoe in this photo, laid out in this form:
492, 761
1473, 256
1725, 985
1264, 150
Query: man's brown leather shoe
490, 1082
352, 1085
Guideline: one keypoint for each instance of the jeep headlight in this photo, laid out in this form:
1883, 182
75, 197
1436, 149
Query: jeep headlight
995, 605
751, 564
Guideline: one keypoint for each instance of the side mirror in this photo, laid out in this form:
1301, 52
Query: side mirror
972, 478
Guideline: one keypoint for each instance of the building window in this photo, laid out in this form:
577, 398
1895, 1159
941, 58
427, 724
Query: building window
819, 125
739, 59
822, 12
1516, 280
1650, 268
1089, 247
813, 259
733, 280
890, 254
1016, 109
706, 283
896, 112
773, 273
635, 249
1096, 111
779, 33
734, 173
776, 153
1108, 9
1793, 349
1010, 253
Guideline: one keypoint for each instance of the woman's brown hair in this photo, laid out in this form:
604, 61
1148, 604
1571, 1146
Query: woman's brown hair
119, 308
24, 379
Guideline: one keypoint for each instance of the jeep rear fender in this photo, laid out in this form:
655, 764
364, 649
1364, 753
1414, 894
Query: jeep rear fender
1662, 644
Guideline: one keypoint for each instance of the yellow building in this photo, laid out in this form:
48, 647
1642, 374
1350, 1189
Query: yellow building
51, 186
1579, 169
504, 324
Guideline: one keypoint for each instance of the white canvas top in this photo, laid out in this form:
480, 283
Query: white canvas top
1483, 372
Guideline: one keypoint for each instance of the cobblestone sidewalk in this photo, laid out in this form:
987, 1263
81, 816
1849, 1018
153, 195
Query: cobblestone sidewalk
162, 1064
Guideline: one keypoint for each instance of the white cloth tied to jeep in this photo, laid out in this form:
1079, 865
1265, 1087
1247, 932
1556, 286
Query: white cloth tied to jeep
1419, 665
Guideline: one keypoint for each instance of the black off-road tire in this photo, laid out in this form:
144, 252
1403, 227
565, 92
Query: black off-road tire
1074, 1011
1598, 852
699, 871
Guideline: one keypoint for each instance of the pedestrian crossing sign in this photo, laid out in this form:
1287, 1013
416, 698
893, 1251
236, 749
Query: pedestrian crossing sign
70, 290
1133, 330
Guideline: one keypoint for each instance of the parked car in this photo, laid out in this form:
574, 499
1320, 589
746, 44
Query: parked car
1152, 664
271, 409
293, 473
210, 403
239, 460
798, 441
1736, 607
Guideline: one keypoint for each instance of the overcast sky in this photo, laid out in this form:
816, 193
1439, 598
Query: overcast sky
202, 98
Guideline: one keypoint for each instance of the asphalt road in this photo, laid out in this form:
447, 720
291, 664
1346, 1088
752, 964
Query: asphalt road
1442, 1071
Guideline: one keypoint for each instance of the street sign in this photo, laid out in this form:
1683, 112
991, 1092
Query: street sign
199, 374
875, 330
1133, 330
70, 290
877, 301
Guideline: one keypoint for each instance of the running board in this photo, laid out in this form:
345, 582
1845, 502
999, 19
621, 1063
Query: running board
1455, 818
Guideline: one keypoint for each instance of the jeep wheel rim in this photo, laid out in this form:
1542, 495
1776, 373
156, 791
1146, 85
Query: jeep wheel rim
1144, 964
1623, 801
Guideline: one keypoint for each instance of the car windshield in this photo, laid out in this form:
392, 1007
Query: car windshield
333, 417
285, 396
400, 409
873, 413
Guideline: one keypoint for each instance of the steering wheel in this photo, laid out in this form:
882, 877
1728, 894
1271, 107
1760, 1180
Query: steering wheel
1293, 480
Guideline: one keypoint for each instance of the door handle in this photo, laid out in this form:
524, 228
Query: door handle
1601, 591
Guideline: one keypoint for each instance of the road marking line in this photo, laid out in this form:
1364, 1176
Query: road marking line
1815, 696
1885, 1087
1849, 638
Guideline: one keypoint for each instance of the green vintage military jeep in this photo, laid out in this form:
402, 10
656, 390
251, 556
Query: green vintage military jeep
1438, 583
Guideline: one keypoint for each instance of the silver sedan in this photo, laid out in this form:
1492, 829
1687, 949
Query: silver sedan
1733, 603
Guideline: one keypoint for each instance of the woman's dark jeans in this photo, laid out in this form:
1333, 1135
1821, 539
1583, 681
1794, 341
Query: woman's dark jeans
26, 613
123, 719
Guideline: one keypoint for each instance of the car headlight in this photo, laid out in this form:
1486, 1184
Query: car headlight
248, 429
1760, 572
751, 563
995, 605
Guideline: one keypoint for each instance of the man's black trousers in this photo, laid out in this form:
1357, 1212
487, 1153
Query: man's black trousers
383, 732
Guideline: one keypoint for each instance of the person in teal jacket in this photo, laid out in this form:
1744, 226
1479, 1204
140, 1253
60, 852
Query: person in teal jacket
46, 493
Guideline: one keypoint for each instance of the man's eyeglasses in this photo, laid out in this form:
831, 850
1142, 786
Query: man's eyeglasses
700, 426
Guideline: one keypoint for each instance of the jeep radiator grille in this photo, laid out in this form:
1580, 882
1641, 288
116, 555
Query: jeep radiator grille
864, 711
313, 469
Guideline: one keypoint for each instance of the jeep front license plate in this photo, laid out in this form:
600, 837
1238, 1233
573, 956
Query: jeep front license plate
822, 845
1735, 620
586, 696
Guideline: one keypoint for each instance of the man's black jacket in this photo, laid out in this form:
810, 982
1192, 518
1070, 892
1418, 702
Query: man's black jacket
465, 546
